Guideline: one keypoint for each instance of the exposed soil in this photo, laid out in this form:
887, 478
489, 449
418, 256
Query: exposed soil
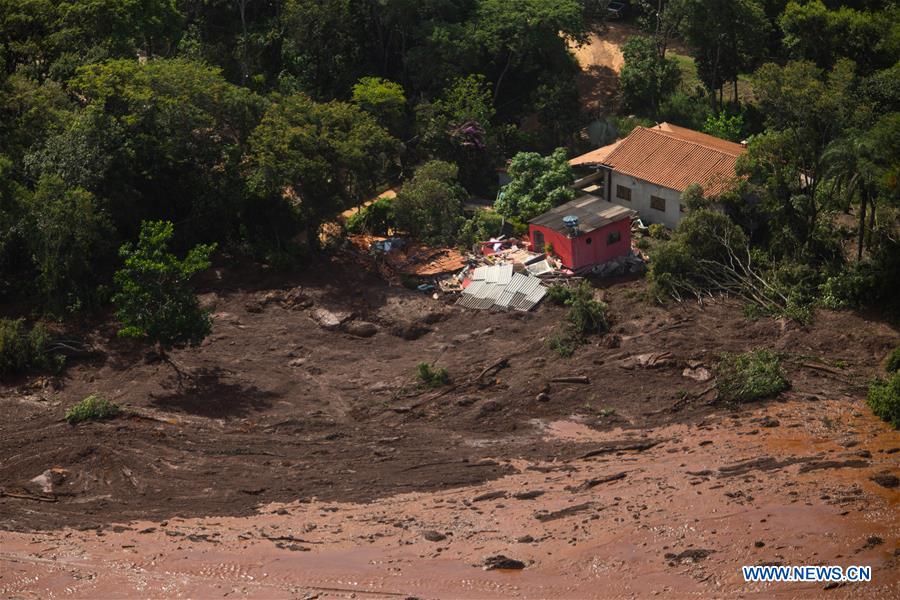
298, 459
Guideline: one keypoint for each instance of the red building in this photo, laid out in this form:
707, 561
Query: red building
584, 232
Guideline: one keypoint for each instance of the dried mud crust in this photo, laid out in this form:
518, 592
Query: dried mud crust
283, 407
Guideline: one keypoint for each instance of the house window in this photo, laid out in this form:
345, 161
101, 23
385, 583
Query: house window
588, 241
614, 237
658, 203
623, 193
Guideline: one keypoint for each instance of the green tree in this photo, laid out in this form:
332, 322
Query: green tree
538, 183
728, 39
322, 158
165, 139
646, 78
806, 110
814, 32
430, 205
383, 99
67, 233
514, 33
725, 126
155, 302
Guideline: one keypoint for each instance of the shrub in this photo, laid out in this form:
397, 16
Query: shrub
658, 231
432, 377
376, 218
563, 343
559, 294
884, 399
92, 408
586, 315
750, 375
22, 349
893, 361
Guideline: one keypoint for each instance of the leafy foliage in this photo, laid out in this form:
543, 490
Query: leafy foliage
646, 77
23, 349
884, 399
375, 219
538, 183
155, 302
750, 375
430, 205
431, 376
893, 361
586, 316
92, 408
322, 158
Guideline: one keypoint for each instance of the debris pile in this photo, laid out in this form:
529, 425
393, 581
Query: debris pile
499, 287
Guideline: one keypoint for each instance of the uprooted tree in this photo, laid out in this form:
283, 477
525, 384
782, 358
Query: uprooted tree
707, 255
155, 302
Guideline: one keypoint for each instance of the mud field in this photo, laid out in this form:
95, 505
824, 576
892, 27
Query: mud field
302, 459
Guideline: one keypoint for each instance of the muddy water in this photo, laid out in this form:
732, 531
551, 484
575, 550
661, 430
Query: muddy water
589, 535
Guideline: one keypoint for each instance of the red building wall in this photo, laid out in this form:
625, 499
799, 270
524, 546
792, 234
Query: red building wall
588, 248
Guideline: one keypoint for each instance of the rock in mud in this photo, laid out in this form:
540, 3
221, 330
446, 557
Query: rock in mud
361, 329
886, 480
525, 539
489, 407
543, 397
326, 319
49, 479
700, 374
500, 561
433, 536
691, 555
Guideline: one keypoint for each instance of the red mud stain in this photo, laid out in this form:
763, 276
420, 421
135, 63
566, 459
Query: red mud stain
610, 540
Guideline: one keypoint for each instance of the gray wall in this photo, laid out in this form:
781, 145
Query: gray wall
640, 200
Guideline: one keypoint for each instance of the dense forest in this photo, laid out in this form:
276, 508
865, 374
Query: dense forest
249, 123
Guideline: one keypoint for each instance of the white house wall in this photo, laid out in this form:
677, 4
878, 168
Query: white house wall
640, 200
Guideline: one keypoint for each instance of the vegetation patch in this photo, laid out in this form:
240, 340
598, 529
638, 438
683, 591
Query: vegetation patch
23, 349
884, 399
750, 375
431, 376
92, 408
586, 316
893, 361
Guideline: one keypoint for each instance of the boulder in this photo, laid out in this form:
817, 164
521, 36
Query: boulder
326, 319
361, 328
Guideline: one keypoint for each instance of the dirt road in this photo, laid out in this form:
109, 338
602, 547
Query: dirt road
303, 461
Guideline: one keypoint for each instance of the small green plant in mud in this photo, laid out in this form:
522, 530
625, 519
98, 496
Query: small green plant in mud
884, 398
750, 375
893, 361
586, 316
431, 376
607, 412
92, 408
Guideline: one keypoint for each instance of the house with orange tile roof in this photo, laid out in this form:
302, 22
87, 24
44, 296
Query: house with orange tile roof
648, 170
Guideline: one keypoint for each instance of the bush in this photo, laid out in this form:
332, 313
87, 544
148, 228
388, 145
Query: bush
92, 408
563, 343
884, 399
375, 219
586, 315
559, 294
658, 231
23, 350
432, 377
893, 361
750, 375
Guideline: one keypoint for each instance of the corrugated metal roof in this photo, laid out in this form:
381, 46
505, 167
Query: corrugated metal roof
670, 156
592, 212
519, 292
